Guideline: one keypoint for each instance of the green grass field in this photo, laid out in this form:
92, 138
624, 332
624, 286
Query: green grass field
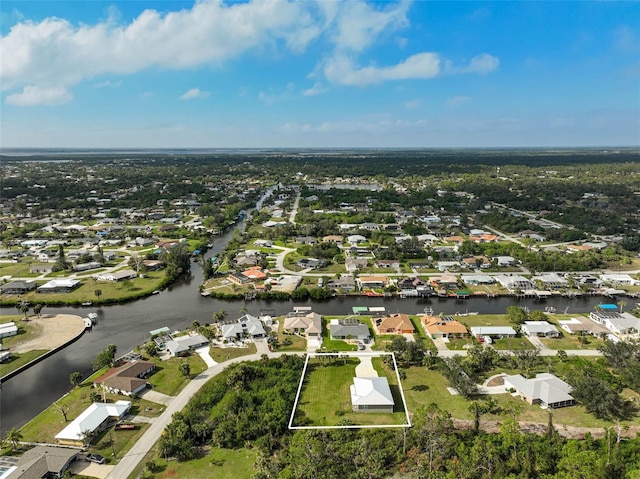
333, 344
514, 344
167, 378
325, 399
298, 343
17, 360
220, 355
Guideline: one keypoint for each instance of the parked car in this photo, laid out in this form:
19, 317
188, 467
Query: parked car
360, 346
97, 458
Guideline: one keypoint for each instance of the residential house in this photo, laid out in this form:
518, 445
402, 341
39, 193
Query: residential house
42, 461
306, 240
477, 278
545, 389
393, 324
153, 264
449, 265
349, 328
59, 286
540, 329
333, 239
311, 263
371, 395
117, 276
619, 323
97, 417
493, 331
504, 261
581, 326
345, 282
261, 243
477, 262
245, 326
18, 287
551, 280
387, 263
373, 282
127, 379
514, 282
355, 239
86, 266
309, 324
619, 279
41, 268
438, 327
183, 345
355, 264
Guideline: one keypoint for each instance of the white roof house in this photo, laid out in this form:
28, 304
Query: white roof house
59, 285
499, 331
91, 419
619, 323
540, 328
8, 329
619, 279
545, 389
371, 394
513, 282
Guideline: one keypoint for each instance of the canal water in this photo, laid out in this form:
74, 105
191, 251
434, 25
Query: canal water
127, 326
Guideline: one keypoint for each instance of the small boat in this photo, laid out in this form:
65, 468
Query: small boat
205, 293
156, 292
87, 303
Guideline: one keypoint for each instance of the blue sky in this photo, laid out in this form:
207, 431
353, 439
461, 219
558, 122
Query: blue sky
319, 74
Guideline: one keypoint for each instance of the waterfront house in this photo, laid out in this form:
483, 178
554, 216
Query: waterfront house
393, 324
349, 328
439, 327
18, 287
540, 329
545, 389
309, 324
97, 417
127, 379
59, 286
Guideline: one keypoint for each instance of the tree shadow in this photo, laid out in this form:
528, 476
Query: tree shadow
420, 387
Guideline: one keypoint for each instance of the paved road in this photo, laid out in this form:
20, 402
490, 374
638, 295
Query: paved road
136, 454
294, 210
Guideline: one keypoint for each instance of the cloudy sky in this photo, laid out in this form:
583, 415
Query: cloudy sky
319, 74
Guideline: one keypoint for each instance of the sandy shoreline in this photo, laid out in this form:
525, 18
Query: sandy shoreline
54, 330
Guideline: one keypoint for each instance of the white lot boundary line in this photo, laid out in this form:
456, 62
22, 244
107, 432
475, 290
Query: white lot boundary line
357, 355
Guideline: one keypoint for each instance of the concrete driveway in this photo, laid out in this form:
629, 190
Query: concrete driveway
365, 368
91, 469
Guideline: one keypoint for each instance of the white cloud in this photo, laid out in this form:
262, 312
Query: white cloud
340, 70
270, 97
358, 24
108, 84
194, 93
56, 52
411, 104
456, 101
33, 95
483, 63
317, 89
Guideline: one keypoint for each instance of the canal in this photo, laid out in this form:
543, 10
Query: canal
127, 326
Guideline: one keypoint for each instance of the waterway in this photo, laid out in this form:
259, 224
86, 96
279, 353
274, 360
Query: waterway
128, 325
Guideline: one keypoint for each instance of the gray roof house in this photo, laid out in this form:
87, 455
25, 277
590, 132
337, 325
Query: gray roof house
43, 461
545, 389
349, 328
183, 344
18, 287
371, 395
246, 325
540, 328
493, 331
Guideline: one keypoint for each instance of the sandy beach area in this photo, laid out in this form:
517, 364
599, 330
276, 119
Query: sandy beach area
53, 331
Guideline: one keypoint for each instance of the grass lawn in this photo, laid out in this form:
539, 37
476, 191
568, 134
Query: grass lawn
220, 355
26, 330
50, 422
326, 398
218, 463
458, 344
110, 290
167, 378
423, 387
298, 343
567, 341
514, 344
20, 270
123, 440
18, 360
485, 320
421, 334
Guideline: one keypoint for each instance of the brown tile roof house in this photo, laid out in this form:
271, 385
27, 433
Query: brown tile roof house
443, 327
309, 324
393, 324
126, 379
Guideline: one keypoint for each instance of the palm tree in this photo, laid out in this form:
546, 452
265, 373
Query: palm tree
24, 309
14, 436
98, 293
621, 305
37, 309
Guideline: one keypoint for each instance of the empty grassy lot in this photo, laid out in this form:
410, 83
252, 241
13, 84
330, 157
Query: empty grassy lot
220, 355
326, 399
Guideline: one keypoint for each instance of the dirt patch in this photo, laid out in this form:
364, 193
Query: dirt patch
51, 331
570, 432
497, 381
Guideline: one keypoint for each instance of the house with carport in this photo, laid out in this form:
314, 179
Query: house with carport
61, 285
97, 417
